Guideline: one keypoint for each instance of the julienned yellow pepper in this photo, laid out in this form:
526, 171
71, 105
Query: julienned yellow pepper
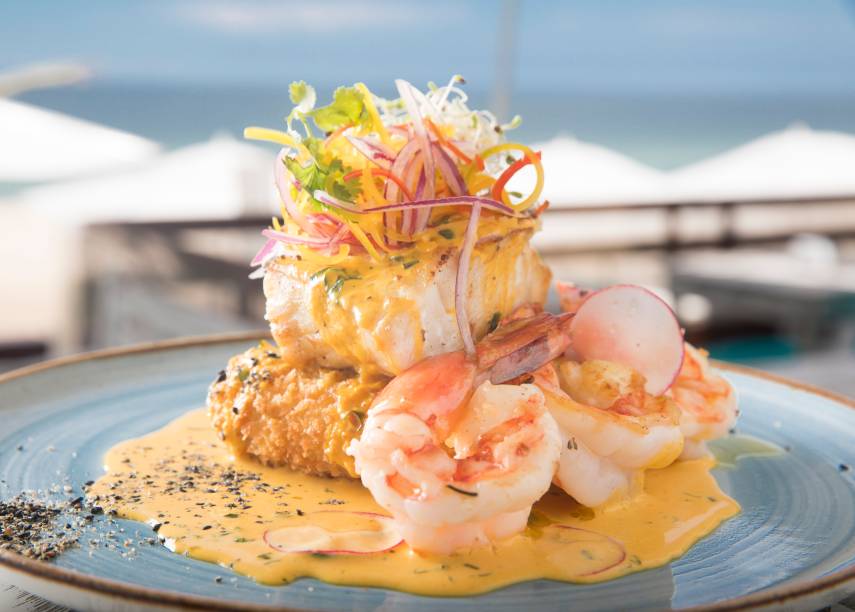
277, 136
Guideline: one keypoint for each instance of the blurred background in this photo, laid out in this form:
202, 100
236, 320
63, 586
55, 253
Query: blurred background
705, 149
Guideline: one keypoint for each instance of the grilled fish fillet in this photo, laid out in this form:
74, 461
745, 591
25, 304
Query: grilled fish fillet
390, 314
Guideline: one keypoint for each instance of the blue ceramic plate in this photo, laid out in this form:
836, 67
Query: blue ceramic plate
793, 544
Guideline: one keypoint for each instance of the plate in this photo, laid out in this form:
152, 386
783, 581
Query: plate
793, 544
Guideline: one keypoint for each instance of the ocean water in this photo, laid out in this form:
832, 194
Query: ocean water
665, 131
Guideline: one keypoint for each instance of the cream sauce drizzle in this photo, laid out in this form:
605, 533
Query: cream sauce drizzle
217, 508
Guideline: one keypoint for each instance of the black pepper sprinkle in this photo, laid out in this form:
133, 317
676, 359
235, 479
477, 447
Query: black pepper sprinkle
221, 376
300, 512
38, 529
843, 467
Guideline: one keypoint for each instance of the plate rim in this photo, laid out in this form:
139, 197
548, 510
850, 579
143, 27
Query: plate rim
59, 576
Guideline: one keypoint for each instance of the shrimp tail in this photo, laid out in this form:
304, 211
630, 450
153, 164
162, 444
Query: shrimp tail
523, 346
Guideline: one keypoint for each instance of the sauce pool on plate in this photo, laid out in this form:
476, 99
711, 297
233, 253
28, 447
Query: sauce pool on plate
235, 512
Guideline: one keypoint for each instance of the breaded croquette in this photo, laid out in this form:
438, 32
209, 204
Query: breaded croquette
299, 417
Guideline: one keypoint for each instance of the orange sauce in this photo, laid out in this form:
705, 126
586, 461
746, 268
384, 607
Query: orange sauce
217, 508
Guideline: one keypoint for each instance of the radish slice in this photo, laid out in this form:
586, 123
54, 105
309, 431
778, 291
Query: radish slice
367, 533
630, 325
565, 545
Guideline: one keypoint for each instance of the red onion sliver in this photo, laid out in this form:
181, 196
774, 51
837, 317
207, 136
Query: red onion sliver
449, 171
414, 178
324, 224
264, 252
289, 239
462, 280
487, 203
418, 195
407, 96
405, 155
323, 196
374, 151
400, 167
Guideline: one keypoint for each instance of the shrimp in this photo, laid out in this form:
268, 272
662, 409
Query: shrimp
457, 456
612, 430
707, 403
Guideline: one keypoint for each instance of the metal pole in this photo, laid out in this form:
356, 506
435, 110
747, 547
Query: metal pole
505, 59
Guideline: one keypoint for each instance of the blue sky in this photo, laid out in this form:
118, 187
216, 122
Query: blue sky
586, 45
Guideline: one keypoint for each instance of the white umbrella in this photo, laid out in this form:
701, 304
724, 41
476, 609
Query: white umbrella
42, 145
791, 163
218, 179
579, 173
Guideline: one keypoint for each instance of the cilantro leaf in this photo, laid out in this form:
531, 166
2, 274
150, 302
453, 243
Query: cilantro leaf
347, 108
306, 175
317, 174
303, 95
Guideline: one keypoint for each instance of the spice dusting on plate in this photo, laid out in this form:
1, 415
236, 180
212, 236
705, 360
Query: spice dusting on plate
37, 529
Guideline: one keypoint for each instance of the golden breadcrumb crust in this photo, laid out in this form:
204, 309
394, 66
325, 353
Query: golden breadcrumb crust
302, 417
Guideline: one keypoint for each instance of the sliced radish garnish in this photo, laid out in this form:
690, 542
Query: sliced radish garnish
320, 532
630, 325
569, 545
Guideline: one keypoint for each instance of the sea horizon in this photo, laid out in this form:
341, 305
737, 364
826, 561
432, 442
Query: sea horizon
663, 130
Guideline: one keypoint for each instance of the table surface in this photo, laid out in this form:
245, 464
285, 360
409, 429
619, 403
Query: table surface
13, 598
